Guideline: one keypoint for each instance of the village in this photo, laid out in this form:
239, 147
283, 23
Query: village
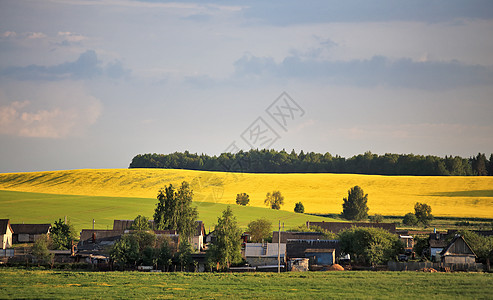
303, 250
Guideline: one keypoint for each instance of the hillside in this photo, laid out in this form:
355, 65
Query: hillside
459, 196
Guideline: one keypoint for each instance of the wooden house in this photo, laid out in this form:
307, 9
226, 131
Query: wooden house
29, 233
458, 252
6, 233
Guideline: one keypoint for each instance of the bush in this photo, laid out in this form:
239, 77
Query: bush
410, 219
299, 208
242, 199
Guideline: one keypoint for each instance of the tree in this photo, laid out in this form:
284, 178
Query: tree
125, 251
479, 165
299, 208
242, 199
481, 245
274, 200
423, 213
490, 165
174, 210
226, 250
355, 205
410, 219
62, 235
140, 223
370, 246
40, 251
259, 230
184, 255
376, 218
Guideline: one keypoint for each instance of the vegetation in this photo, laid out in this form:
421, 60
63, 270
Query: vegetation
175, 211
481, 245
62, 235
140, 223
299, 208
272, 161
242, 199
370, 246
309, 285
41, 252
260, 230
355, 205
275, 200
226, 250
320, 193
329, 235
422, 211
410, 219
377, 218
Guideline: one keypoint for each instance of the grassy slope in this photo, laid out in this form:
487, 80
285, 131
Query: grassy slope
307, 285
46, 208
320, 193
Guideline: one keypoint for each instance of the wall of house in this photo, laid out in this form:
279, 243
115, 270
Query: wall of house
6, 240
263, 261
459, 259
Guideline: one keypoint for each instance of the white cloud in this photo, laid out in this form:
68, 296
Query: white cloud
53, 111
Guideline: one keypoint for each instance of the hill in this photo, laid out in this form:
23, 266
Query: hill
458, 196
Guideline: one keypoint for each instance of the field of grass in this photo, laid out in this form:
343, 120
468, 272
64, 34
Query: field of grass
312, 285
46, 208
456, 196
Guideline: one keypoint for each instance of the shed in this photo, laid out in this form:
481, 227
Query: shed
322, 257
263, 254
28, 233
458, 252
6, 232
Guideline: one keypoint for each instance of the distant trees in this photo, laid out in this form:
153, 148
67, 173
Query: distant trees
355, 205
226, 250
272, 161
410, 219
62, 235
376, 218
299, 208
242, 199
174, 210
275, 200
259, 230
422, 211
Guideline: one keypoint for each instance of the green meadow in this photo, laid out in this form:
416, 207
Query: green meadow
25, 284
28, 207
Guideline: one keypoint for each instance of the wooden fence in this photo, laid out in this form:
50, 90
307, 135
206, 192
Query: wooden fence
416, 266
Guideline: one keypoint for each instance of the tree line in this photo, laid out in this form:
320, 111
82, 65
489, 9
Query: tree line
272, 161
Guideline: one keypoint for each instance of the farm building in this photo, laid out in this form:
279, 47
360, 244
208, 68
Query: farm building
263, 254
458, 252
437, 244
29, 233
320, 252
6, 232
336, 227
292, 235
321, 257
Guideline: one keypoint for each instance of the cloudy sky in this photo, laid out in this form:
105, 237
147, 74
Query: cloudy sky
90, 84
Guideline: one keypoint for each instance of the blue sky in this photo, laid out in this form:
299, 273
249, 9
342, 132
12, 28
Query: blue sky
90, 84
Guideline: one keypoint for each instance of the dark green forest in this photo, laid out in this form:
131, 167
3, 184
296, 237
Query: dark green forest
272, 161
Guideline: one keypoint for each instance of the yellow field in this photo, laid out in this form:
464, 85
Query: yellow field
319, 193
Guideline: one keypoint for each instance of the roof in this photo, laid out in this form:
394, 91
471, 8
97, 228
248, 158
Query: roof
309, 250
4, 226
31, 228
336, 227
438, 243
266, 249
458, 246
293, 235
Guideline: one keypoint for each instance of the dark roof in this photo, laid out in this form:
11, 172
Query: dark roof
336, 227
438, 243
31, 228
4, 225
298, 248
292, 235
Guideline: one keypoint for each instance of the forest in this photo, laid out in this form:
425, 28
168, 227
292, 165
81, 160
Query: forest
272, 161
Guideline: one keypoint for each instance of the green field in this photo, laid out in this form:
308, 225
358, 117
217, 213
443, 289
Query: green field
26, 207
309, 285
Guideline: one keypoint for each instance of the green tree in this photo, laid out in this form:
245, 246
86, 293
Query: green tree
481, 245
40, 251
355, 205
242, 199
174, 210
184, 255
370, 246
259, 230
226, 250
479, 165
140, 223
423, 213
275, 200
299, 208
410, 219
125, 251
62, 235
377, 218
165, 255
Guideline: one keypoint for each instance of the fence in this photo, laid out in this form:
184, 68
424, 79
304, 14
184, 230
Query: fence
416, 266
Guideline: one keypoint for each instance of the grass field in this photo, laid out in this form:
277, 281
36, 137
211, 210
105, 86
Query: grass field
456, 196
312, 285
46, 208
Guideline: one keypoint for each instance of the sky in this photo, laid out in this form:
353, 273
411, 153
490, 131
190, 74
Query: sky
91, 84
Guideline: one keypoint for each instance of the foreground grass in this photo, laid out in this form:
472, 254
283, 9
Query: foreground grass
320, 285
453, 196
46, 208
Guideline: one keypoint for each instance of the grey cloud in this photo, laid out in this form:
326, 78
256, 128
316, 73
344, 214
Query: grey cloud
378, 70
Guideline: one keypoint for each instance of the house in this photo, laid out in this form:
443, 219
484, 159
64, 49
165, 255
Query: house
336, 227
320, 252
29, 233
198, 237
6, 232
323, 257
437, 244
264, 254
458, 252
408, 242
294, 235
